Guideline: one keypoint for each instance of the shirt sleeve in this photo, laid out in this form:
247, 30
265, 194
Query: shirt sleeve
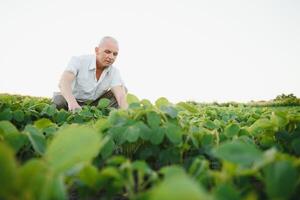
116, 79
73, 65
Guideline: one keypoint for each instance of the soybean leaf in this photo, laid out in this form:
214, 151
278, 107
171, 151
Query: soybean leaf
162, 101
71, 146
153, 119
174, 133
6, 114
226, 192
177, 188
280, 179
108, 148
8, 172
240, 153
103, 103
132, 133
12, 136
43, 123
145, 131
18, 115
157, 135
36, 138
131, 99
169, 110
231, 130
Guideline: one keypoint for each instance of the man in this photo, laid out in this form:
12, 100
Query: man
92, 77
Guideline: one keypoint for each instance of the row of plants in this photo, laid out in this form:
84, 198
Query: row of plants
148, 151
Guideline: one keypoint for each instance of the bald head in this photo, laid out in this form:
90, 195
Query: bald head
106, 52
108, 39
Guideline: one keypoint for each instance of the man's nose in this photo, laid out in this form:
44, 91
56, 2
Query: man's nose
110, 56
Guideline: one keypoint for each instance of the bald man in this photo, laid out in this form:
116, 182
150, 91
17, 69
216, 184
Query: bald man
89, 78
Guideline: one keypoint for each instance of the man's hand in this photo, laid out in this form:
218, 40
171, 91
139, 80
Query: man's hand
73, 106
65, 88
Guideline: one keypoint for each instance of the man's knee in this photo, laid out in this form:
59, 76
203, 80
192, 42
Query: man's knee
59, 101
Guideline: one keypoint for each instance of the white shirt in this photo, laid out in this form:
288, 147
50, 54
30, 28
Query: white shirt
85, 86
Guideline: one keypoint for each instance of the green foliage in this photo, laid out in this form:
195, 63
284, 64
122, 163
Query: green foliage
148, 151
73, 145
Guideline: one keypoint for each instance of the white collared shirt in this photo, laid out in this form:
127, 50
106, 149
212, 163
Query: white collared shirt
85, 86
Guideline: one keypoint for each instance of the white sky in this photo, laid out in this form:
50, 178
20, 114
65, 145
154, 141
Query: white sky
183, 50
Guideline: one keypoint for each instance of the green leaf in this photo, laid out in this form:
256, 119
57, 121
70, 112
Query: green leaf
86, 113
35, 180
58, 189
135, 105
210, 124
6, 114
280, 179
18, 115
36, 138
238, 152
132, 133
189, 107
172, 170
141, 166
174, 133
153, 119
131, 99
169, 156
231, 130
178, 188
207, 141
169, 110
12, 136
117, 134
145, 131
146, 103
279, 119
49, 110
7, 128
226, 192
296, 146
108, 149
102, 124
261, 125
61, 116
88, 175
157, 135
72, 146
43, 123
103, 103
162, 101
8, 172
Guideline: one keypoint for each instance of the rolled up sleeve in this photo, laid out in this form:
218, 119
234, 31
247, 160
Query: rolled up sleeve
116, 79
73, 65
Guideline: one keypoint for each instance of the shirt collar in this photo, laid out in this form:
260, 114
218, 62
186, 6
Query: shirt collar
93, 64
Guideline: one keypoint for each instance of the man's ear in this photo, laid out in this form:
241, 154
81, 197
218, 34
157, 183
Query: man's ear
96, 49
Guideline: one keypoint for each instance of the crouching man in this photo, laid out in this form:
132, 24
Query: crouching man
88, 78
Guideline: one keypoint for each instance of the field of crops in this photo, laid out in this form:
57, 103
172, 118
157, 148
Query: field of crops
159, 151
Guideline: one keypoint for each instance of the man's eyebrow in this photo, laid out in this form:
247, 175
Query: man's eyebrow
111, 51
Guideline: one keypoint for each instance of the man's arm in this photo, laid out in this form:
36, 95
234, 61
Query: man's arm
65, 84
120, 94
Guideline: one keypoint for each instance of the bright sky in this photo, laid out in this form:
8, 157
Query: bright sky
202, 50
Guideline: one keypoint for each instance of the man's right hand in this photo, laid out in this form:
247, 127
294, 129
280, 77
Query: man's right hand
73, 106
66, 90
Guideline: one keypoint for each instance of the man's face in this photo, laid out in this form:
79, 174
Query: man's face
107, 53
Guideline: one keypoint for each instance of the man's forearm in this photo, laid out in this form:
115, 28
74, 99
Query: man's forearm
66, 91
123, 103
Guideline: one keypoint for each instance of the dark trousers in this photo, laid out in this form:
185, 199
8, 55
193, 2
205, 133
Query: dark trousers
60, 102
